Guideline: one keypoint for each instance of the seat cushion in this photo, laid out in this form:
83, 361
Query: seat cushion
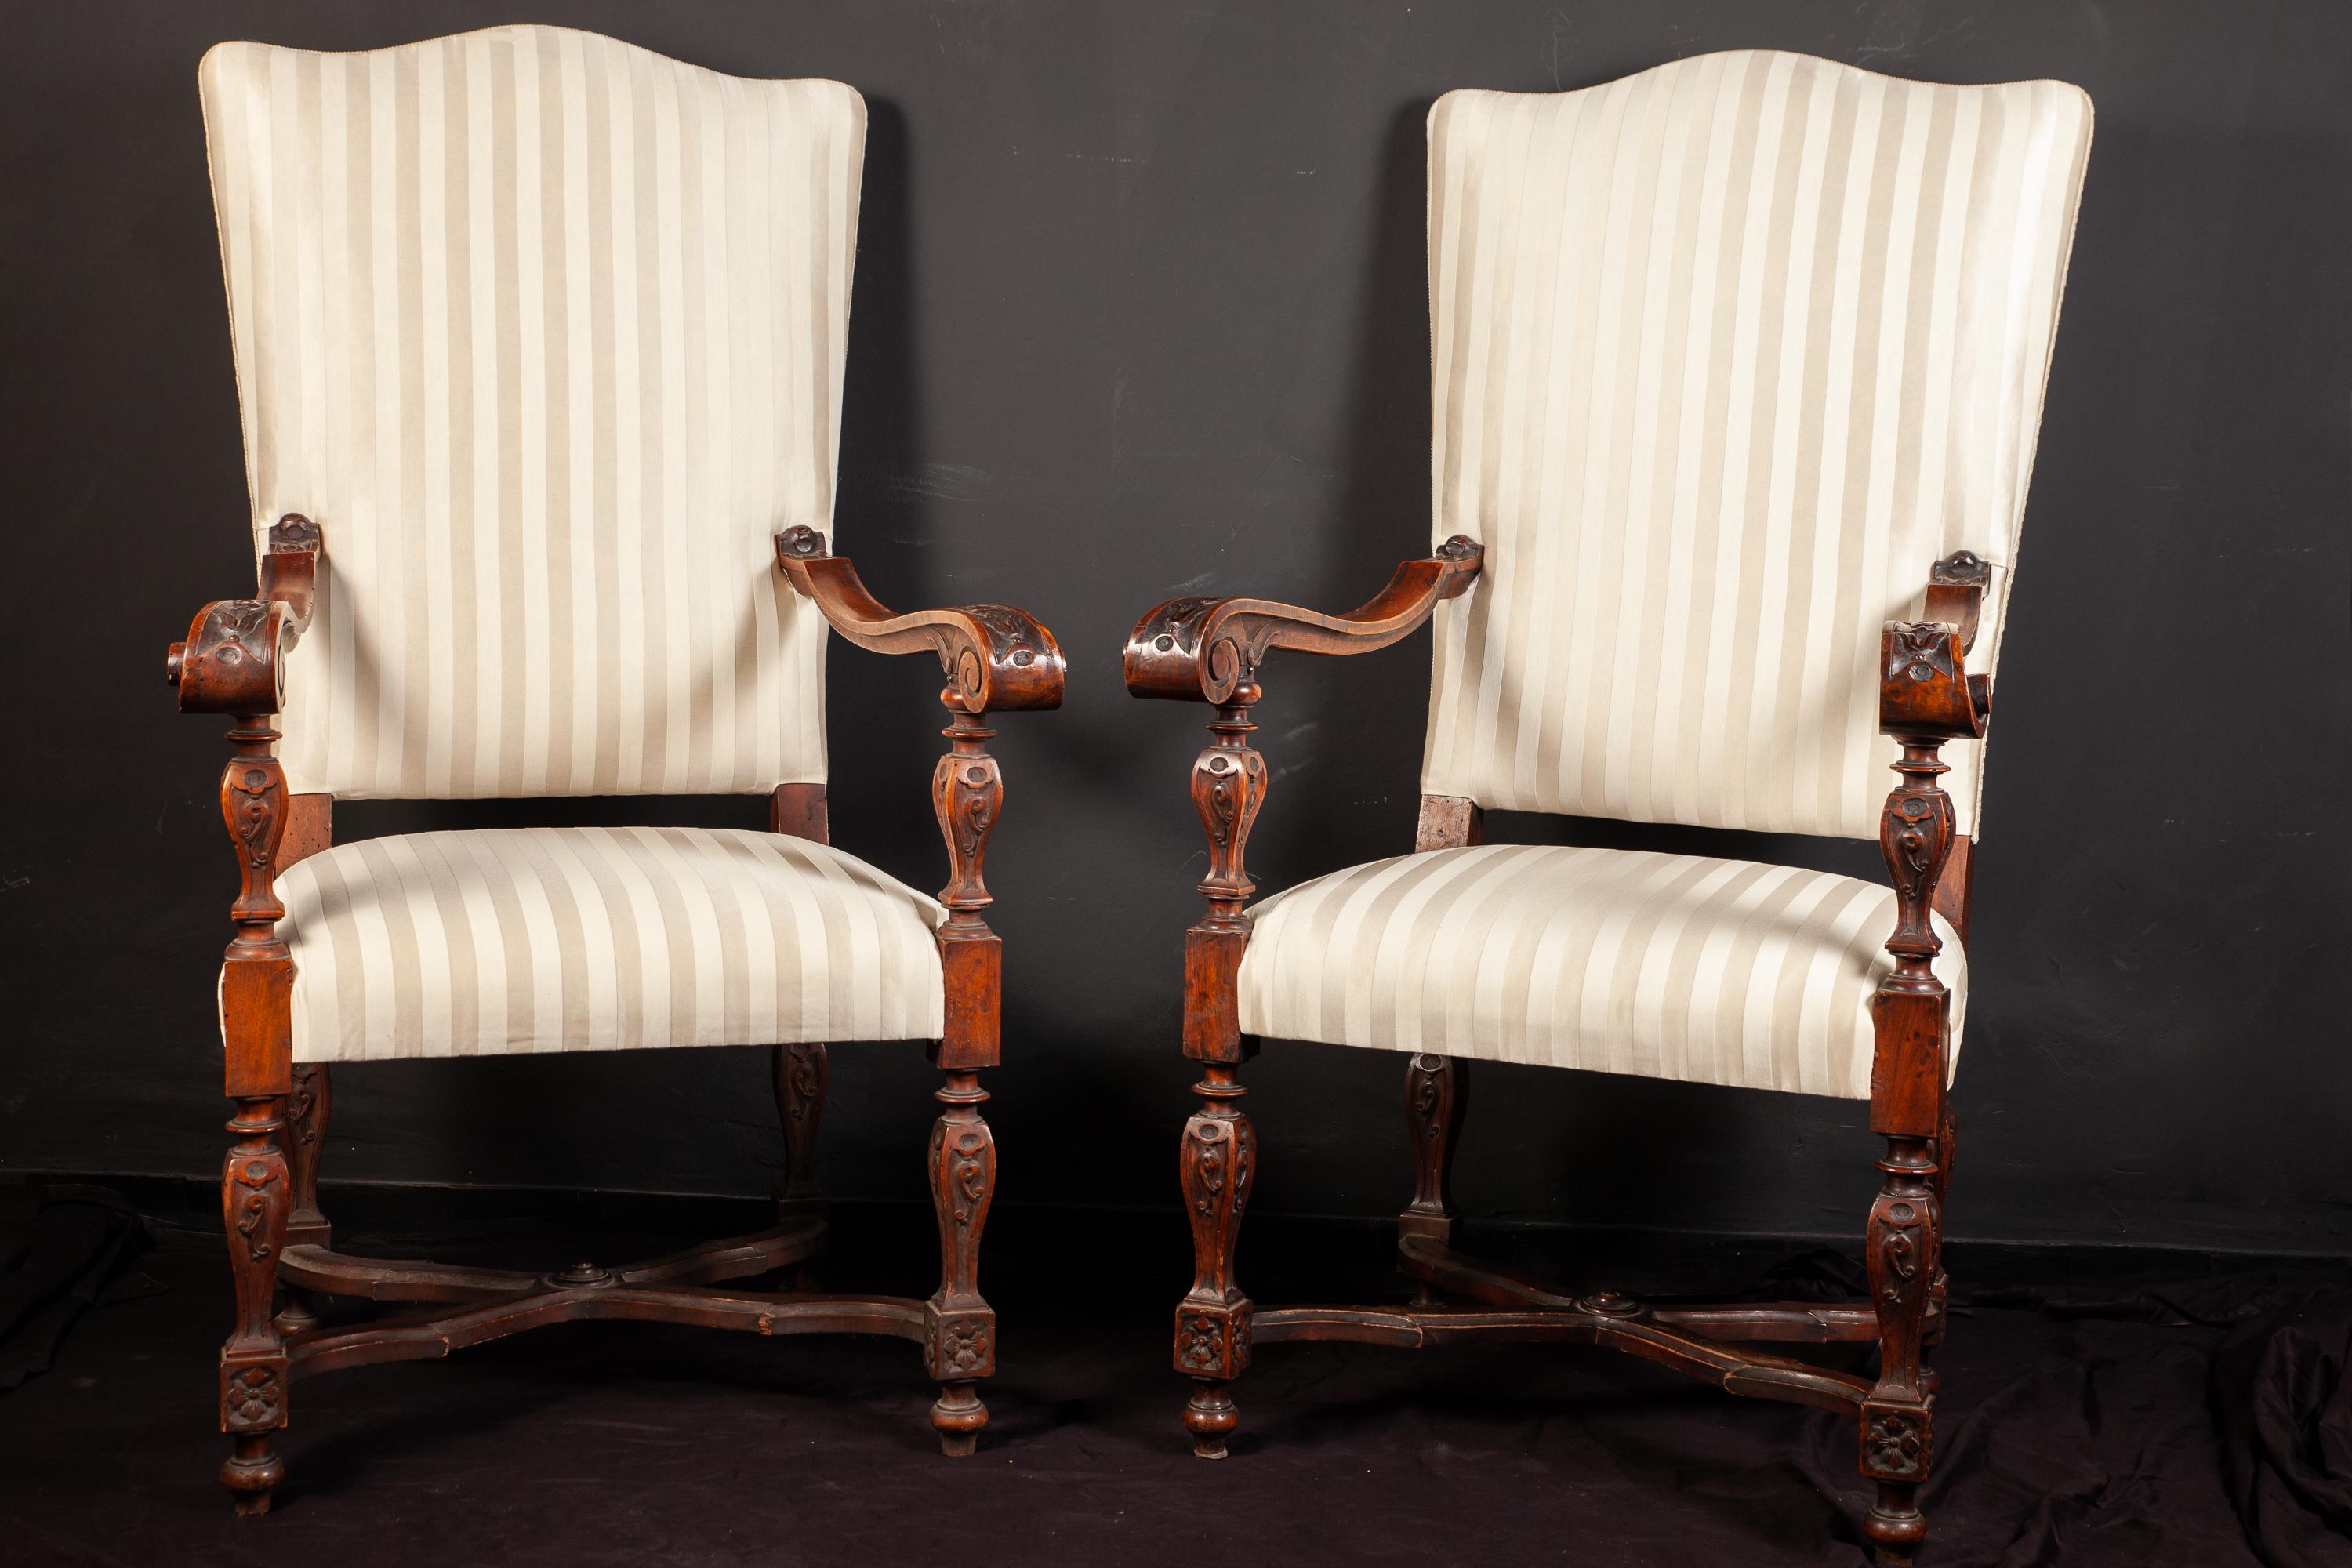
593, 939
1675, 966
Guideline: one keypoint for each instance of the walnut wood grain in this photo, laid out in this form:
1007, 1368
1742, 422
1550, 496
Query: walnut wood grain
1926, 697
996, 658
1204, 650
1212, 650
234, 660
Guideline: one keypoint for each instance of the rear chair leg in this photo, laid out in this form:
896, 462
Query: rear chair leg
801, 1078
1437, 1094
960, 1331
1212, 1322
1940, 1290
306, 1108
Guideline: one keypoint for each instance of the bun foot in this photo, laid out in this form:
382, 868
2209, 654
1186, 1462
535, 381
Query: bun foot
1210, 1417
958, 1417
251, 1474
1896, 1527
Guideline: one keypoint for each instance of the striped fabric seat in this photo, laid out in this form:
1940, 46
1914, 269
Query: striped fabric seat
1674, 966
578, 939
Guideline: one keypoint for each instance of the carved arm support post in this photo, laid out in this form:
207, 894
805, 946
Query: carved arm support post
232, 662
994, 658
1210, 650
1926, 698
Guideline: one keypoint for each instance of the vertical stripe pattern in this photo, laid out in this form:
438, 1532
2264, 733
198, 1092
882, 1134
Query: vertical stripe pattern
587, 939
1725, 355
1674, 966
547, 332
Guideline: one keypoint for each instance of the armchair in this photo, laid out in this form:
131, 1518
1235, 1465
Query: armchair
545, 481
1730, 455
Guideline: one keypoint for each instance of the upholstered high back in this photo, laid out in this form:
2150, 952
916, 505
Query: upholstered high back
546, 333
1725, 355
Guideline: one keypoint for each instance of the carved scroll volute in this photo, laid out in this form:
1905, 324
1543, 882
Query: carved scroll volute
966, 794
1229, 785
234, 658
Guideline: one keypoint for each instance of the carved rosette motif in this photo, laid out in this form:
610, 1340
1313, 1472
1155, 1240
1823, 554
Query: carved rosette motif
1895, 1443
960, 1347
252, 1396
1212, 1343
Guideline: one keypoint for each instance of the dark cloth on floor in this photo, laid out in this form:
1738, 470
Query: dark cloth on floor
60, 1242
2083, 1421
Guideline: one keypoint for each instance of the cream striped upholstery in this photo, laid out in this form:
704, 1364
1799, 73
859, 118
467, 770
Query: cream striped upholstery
546, 331
1727, 354
584, 939
1672, 966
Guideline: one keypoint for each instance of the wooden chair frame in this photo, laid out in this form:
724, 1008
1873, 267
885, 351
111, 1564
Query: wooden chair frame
1211, 650
994, 658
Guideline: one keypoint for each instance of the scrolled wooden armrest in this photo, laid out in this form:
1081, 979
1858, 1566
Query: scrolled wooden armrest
1203, 651
1924, 689
234, 660
996, 657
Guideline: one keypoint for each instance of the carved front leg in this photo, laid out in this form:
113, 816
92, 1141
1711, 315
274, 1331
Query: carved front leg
1903, 1241
1212, 1322
254, 1198
256, 988
959, 1328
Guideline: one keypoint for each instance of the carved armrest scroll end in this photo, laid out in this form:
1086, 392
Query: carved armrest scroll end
1956, 591
1924, 690
996, 657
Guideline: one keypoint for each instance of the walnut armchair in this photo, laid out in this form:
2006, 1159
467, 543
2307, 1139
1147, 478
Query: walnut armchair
542, 421
1737, 367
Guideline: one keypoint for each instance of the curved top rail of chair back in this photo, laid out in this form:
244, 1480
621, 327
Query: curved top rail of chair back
1727, 355
546, 331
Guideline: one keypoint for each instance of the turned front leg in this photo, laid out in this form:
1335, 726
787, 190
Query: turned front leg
802, 1076
960, 1329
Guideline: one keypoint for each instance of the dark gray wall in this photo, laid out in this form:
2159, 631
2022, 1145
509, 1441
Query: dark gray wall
1139, 309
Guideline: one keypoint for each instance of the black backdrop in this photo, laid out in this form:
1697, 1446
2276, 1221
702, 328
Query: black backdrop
1139, 309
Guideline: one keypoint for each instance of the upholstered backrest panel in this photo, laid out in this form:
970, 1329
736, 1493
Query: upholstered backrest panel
546, 333
1724, 356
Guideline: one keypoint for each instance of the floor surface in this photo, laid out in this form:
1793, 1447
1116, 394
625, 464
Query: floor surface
2076, 1425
